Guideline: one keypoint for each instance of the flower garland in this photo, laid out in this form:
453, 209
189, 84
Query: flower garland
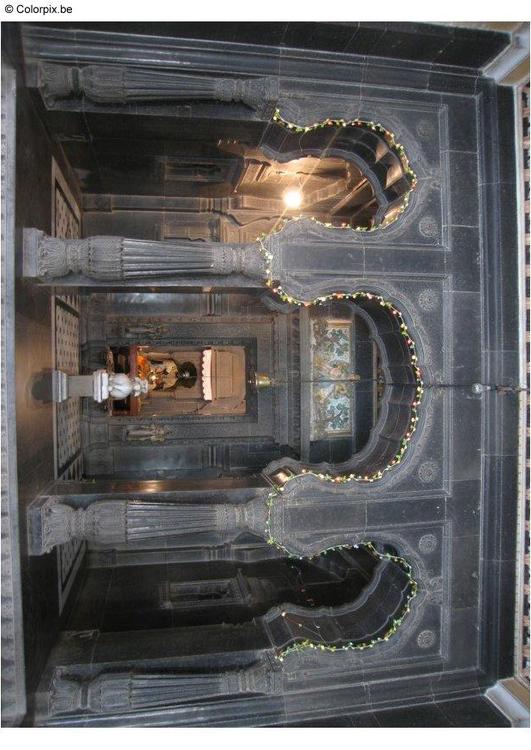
307, 644
394, 146
419, 389
404, 331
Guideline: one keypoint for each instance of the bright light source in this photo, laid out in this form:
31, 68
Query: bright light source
292, 198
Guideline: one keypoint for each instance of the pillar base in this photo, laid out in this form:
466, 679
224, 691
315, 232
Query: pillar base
59, 386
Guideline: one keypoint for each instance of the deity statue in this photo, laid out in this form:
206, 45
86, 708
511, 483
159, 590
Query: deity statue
163, 373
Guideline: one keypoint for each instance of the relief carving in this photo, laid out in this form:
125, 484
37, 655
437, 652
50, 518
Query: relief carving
118, 84
152, 433
122, 259
111, 692
112, 522
426, 639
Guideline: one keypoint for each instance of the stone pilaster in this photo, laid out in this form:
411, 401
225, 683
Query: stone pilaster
115, 692
122, 259
112, 522
118, 84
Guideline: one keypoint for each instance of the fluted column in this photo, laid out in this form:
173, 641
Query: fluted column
119, 84
123, 259
129, 691
112, 522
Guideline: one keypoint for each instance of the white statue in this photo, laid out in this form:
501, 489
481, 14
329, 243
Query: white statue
101, 385
121, 385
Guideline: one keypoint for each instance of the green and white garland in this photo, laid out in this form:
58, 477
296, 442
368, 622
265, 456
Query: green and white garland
419, 385
306, 644
389, 137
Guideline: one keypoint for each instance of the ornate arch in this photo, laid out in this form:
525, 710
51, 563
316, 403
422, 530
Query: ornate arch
404, 388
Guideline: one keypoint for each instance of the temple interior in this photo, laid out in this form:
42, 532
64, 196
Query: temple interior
264, 377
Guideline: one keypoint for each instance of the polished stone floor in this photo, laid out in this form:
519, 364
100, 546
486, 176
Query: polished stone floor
471, 712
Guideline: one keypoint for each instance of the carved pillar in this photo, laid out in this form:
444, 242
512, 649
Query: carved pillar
123, 259
119, 84
111, 522
127, 691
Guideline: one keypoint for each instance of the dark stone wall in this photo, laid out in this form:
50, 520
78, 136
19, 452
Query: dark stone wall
31, 310
449, 264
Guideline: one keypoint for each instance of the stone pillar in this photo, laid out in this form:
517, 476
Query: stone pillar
111, 522
114, 692
122, 259
119, 84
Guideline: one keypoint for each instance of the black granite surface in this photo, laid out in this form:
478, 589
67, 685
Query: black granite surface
422, 42
449, 263
470, 712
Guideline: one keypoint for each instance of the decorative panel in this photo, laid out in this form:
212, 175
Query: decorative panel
66, 224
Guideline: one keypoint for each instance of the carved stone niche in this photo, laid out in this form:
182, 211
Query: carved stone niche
371, 616
119, 84
379, 182
400, 396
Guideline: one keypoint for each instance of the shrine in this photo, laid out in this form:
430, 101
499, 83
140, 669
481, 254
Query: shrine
264, 386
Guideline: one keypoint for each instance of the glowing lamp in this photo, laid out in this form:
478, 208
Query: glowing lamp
292, 198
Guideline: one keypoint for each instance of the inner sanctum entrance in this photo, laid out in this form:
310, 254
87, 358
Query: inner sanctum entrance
236, 380
182, 380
